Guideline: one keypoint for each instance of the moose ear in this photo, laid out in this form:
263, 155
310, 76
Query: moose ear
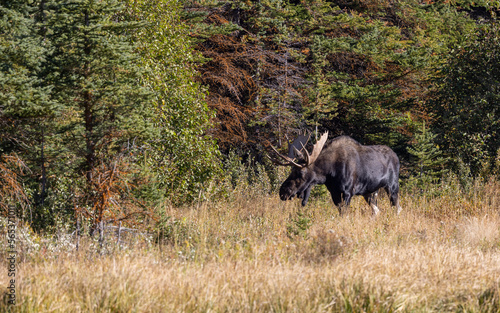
296, 148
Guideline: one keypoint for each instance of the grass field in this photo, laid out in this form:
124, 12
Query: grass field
254, 253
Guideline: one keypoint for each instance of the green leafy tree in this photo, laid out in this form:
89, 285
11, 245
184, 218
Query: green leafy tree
182, 159
467, 105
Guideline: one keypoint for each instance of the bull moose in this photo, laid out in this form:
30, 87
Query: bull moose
344, 166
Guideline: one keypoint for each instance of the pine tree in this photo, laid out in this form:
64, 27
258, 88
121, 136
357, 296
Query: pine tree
428, 160
22, 94
25, 99
105, 114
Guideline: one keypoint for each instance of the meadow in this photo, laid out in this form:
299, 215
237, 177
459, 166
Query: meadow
251, 252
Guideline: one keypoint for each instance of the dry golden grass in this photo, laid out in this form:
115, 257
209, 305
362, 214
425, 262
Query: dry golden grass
254, 253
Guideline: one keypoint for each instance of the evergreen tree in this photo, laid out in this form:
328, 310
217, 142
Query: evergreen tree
22, 94
279, 72
357, 68
25, 99
250, 67
371, 61
105, 115
466, 105
427, 158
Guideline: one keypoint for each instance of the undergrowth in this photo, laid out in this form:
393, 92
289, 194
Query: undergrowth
251, 252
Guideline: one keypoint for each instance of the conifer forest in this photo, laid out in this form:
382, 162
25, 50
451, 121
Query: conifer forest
157, 117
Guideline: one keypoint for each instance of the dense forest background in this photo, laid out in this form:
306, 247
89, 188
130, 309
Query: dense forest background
109, 109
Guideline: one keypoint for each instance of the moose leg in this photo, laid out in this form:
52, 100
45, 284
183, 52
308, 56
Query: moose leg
394, 197
306, 194
371, 198
337, 200
395, 202
345, 199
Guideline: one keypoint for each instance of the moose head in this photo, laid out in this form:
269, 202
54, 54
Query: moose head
303, 175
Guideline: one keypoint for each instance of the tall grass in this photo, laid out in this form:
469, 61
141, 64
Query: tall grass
254, 253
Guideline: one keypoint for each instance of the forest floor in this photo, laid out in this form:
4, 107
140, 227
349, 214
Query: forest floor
255, 253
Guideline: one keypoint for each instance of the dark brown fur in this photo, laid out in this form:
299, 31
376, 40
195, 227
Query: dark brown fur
347, 168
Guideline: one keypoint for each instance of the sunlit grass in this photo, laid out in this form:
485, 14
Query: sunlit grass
255, 253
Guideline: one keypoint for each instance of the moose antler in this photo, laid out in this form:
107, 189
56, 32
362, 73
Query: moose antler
288, 161
294, 151
318, 146
297, 148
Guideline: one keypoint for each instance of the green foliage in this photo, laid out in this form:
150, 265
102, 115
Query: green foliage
261, 177
183, 157
26, 100
466, 106
106, 107
234, 169
465, 177
427, 158
102, 110
357, 68
22, 92
370, 67
298, 225
360, 68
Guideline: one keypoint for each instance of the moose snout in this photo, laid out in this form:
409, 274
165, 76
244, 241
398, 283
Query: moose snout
286, 194
286, 197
